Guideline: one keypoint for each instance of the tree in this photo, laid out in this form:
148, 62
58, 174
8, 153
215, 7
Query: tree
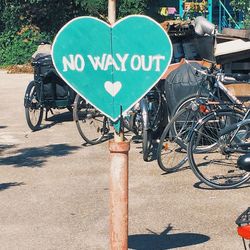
243, 7
23, 23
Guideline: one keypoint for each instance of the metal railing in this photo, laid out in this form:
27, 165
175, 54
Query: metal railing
225, 18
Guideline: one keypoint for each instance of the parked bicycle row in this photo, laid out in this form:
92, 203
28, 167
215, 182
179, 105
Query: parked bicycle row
191, 117
209, 135
208, 129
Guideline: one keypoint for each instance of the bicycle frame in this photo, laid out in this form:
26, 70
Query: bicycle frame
233, 100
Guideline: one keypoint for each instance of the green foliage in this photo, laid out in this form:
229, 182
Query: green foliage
243, 7
129, 7
14, 14
48, 15
97, 8
16, 47
23, 23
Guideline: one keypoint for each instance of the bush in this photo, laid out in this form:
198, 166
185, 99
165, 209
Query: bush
23, 24
97, 8
48, 15
129, 7
242, 7
16, 47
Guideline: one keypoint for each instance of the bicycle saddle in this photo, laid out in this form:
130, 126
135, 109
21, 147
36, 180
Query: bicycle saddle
244, 162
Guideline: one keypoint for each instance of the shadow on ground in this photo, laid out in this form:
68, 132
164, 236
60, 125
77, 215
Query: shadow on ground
201, 185
165, 240
57, 119
4, 186
177, 170
62, 117
4, 147
107, 137
37, 156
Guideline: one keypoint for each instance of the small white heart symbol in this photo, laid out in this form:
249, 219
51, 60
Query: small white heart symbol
113, 87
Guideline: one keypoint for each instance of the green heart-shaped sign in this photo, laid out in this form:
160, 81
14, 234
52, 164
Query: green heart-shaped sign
112, 66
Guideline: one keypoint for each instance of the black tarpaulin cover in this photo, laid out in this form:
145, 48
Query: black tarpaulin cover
183, 82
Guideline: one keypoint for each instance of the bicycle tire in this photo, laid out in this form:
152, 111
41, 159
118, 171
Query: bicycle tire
146, 143
215, 167
90, 123
130, 124
171, 151
185, 102
33, 109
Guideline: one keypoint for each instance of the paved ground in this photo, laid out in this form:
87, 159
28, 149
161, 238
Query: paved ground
54, 191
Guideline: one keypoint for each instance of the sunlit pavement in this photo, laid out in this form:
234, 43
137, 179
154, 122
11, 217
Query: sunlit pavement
54, 191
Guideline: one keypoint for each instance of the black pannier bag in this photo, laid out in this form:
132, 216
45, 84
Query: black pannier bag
54, 88
182, 83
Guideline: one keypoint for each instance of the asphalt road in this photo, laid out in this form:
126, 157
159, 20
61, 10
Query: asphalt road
54, 191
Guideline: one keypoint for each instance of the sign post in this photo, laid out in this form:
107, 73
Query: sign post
112, 11
112, 66
118, 185
118, 182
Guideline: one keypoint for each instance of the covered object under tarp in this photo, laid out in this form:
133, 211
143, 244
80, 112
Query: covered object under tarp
182, 83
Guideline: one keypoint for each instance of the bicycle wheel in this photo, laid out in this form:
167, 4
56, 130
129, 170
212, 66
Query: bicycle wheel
146, 143
132, 122
186, 102
33, 109
171, 152
217, 166
91, 124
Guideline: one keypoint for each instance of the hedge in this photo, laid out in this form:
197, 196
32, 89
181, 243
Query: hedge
24, 23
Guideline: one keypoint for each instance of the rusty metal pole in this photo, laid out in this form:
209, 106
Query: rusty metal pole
118, 186
119, 195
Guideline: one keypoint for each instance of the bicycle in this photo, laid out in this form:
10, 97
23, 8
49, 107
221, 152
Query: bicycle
153, 115
228, 131
47, 91
173, 142
150, 117
171, 152
93, 126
